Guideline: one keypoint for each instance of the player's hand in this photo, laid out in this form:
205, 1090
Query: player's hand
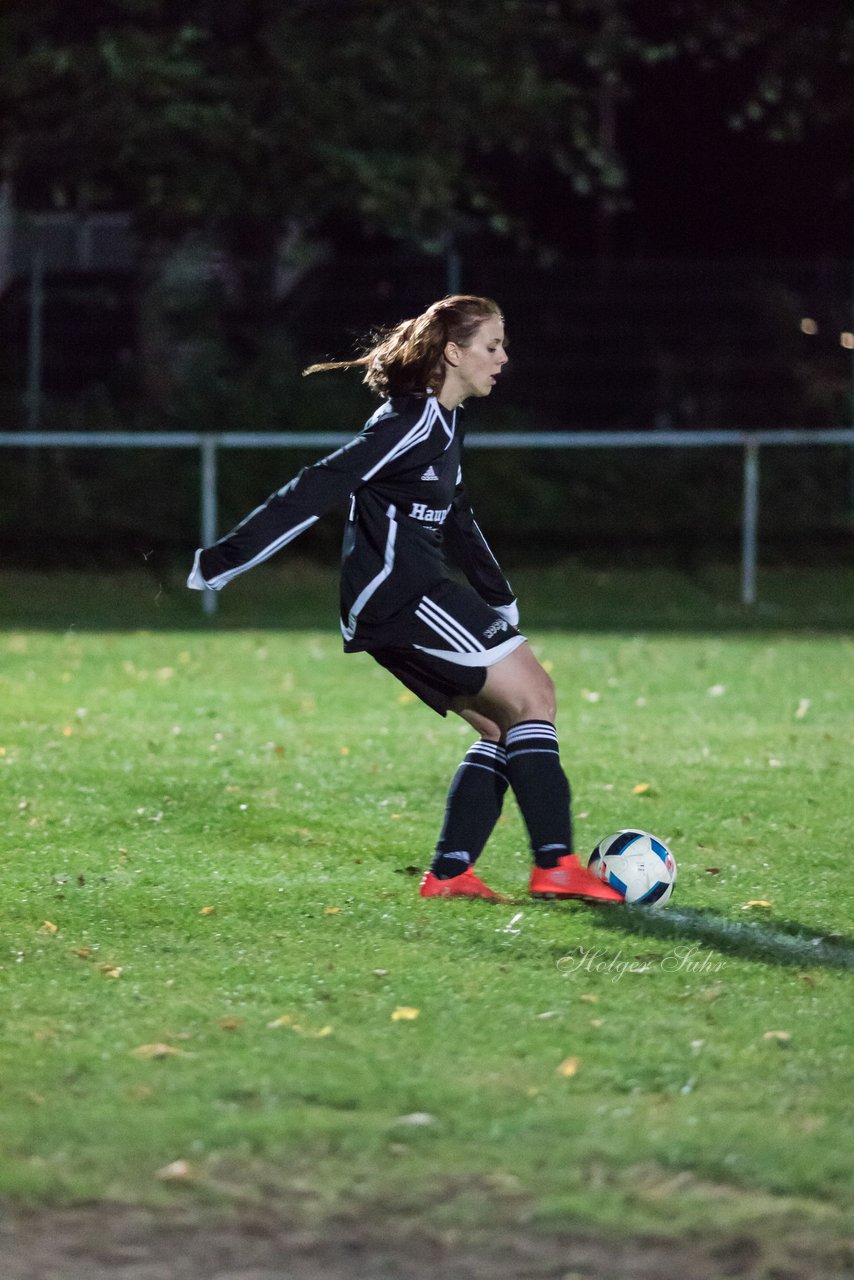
195, 581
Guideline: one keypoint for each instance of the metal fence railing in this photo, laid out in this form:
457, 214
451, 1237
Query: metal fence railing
209, 445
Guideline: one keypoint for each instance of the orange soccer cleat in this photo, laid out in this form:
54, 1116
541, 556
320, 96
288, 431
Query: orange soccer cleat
570, 880
467, 885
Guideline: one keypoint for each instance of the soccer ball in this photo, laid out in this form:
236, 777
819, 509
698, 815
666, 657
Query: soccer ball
637, 865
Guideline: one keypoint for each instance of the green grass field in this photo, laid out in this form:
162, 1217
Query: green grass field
214, 953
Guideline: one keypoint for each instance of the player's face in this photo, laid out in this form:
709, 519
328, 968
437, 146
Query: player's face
474, 369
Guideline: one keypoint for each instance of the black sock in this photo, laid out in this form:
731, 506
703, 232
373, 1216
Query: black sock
472, 810
541, 789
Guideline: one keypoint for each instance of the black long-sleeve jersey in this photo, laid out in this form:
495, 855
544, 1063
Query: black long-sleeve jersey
409, 518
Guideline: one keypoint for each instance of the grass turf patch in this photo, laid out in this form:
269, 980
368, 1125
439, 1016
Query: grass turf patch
298, 594
211, 927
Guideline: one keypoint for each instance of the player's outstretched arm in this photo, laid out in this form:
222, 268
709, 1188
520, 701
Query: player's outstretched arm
378, 450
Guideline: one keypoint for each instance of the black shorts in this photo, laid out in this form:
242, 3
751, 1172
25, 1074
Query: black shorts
444, 647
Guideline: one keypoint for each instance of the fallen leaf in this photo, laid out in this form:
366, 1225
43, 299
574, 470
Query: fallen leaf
590, 695
711, 993
156, 1051
803, 707
231, 1024
404, 1013
177, 1171
345, 751
331, 911
757, 902
111, 970
416, 1119
589, 999
82, 953
284, 1021
49, 927
207, 911
782, 1037
404, 698
640, 789
712, 871
568, 1068
512, 925
597, 1022
716, 691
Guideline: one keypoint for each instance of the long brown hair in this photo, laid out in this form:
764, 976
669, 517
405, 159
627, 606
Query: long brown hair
410, 358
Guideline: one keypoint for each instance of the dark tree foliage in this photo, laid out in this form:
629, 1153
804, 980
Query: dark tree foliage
409, 119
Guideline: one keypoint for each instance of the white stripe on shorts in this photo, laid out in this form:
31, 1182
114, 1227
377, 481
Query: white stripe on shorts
446, 626
483, 658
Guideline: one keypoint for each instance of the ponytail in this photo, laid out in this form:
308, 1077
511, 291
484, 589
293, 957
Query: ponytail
410, 358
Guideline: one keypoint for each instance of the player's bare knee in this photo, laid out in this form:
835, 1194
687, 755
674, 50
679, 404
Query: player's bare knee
486, 726
535, 701
541, 702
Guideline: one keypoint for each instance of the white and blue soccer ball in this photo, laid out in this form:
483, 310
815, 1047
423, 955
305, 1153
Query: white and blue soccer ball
636, 864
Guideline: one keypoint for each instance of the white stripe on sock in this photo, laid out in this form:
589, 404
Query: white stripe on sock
527, 736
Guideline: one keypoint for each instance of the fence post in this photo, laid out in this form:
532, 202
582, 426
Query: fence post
750, 521
453, 267
851, 406
35, 341
208, 506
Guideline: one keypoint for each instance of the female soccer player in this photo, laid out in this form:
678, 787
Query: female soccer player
457, 647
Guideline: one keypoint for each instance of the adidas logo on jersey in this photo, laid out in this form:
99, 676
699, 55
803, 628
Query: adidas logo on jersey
430, 474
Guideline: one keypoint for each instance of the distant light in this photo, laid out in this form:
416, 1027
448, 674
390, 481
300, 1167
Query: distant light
808, 325
847, 340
